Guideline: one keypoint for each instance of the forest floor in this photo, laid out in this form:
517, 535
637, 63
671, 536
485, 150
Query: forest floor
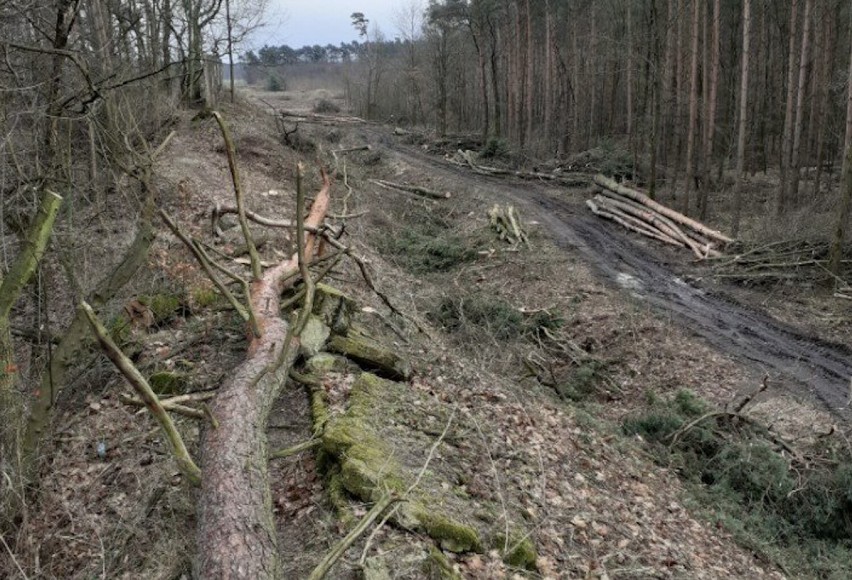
529, 360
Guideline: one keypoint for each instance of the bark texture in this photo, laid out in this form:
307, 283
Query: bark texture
236, 532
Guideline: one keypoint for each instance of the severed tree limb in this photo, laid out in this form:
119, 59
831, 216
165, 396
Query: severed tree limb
416, 190
143, 389
220, 210
256, 269
244, 310
301, 447
324, 567
368, 279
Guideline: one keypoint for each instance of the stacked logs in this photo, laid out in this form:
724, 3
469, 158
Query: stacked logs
507, 223
639, 213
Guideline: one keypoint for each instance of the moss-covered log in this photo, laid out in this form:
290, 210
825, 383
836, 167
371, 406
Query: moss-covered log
372, 356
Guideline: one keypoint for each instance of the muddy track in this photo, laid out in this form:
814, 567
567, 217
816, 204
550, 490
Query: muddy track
805, 364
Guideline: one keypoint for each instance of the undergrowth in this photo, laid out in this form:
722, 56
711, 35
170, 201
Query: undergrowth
498, 318
796, 509
427, 245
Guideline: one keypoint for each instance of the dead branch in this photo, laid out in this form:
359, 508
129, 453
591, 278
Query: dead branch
295, 449
219, 210
256, 269
416, 190
144, 391
329, 560
507, 224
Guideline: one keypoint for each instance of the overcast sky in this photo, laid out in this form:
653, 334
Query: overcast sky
308, 22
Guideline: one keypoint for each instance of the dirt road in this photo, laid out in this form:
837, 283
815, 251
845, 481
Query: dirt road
803, 364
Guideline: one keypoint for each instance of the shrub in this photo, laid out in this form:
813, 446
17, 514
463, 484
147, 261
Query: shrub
326, 106
800, 508
495, 148
274, 83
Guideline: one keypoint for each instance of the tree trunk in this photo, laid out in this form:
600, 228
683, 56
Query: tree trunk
795, 160
236, 531
787, 145
847, 142
710, 120
743, 121
693, 105
835, 257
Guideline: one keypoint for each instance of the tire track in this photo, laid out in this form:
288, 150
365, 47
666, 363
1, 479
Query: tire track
816, 367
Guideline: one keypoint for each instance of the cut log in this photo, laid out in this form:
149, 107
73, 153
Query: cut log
506, 222
664, 225
643, 199
631, 223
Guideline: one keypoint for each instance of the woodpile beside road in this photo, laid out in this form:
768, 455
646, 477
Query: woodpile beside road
639, 213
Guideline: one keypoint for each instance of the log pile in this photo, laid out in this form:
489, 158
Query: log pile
466, 159
506, 222
639, 213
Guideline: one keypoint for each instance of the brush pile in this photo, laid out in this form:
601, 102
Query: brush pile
639, 213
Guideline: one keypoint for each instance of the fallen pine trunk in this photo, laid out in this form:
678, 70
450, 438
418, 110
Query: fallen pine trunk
643, 199
236, 532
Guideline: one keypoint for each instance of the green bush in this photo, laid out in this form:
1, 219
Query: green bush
274, 83
493, 315
326, 106
495, 148
801, 508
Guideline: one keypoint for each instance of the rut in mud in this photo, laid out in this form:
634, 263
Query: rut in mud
804, 364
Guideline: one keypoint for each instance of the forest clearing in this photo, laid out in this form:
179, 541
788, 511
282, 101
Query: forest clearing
535, 289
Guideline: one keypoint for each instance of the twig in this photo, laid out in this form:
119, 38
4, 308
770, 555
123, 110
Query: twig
304, 446
244, 310
256, 269
748, 398
329, 560
419, 191
143, 389
219, 210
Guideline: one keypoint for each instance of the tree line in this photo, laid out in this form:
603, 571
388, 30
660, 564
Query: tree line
692, 87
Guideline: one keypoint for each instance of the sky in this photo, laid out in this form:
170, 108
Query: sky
308, 22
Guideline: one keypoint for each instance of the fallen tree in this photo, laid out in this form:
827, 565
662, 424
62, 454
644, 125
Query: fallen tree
641, 214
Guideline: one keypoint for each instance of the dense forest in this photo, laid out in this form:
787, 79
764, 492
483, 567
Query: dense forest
700, 93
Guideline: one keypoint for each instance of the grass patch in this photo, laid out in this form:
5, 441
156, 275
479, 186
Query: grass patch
498, 318
427, 245
796, 511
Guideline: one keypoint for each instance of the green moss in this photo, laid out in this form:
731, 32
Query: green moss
450, 534
372, 356
367, 469
205, 297
119, 329
334, 308
163, 306
518, 551
439, 567
323, 363
168, 383
319, 410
